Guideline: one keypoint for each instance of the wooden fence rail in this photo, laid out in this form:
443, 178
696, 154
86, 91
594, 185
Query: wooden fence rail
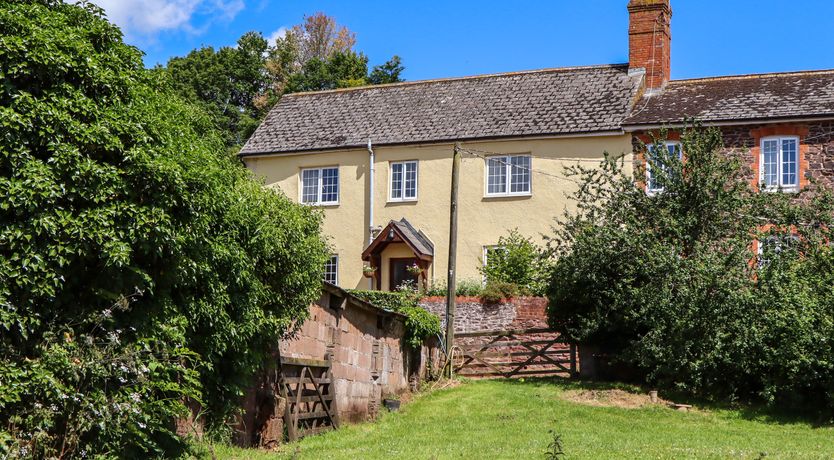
512, 353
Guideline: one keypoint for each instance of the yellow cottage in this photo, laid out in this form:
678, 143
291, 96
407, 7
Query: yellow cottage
378, 159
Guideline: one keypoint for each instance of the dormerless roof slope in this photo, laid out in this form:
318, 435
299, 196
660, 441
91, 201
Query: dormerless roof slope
739, 98
560, 101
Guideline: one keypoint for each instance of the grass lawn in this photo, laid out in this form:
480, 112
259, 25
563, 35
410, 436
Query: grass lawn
512, 419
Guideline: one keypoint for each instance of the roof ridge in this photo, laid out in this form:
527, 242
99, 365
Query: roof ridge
753, 75
466, 77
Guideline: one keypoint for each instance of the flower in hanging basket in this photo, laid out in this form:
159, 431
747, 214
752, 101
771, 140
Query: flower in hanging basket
368, 271
414, 269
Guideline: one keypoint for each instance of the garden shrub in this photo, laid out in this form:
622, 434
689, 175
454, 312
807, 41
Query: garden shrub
469, 287
497, 291
464, 287
518, 260
670, 285
419, 325
114, 189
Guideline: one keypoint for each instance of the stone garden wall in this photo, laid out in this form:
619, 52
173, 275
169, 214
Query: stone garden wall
368, 357
473, 316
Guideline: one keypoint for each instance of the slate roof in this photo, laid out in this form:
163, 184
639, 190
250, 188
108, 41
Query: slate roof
406, 233
739, 98
418, 239
541, 102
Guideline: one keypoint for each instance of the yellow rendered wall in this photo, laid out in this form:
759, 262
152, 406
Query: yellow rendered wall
481, 220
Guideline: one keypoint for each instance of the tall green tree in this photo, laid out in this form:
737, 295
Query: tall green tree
238, 85
319, 54
225, 82
340, 70
140, 264
389, 72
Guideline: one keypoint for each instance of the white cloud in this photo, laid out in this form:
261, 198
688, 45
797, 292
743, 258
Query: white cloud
148, 17
229, 8
280, 33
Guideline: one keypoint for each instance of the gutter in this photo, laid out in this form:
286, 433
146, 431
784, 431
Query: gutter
439, 142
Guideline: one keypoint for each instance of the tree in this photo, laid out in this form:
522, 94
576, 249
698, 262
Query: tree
238, 85
317, 55
517, 260
226, 83
669, 284
340, 70
387, 73
140, 264
319, 37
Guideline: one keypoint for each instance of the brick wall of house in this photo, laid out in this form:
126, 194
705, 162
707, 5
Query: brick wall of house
471, 315
816, 148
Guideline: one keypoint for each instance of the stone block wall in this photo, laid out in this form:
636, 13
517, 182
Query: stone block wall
513, 314
369, 360
473, 316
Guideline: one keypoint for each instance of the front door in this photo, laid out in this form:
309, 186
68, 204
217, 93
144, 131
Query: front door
399, 272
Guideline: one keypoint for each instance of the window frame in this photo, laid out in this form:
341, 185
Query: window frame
484, 254
508, 167
486, 249
334, 260
402, 197
649, 147
778, 241
320, 186
779, 186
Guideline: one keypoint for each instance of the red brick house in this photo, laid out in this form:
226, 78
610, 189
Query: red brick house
782, 122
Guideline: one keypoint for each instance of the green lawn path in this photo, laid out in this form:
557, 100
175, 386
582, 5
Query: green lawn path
511, 419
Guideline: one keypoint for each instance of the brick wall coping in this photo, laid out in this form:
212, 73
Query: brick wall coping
475, 299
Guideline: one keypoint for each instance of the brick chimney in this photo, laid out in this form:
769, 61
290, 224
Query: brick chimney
650, 40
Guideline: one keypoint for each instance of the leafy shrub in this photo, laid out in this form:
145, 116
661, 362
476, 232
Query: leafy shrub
497, 291
667, 282
469, 287
111, 185
420, 324
464, 287
518, 260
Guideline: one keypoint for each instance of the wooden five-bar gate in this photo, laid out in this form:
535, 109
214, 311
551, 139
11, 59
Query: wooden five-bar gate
513, 353
307, 387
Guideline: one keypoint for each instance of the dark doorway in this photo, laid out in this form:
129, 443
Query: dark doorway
399, 272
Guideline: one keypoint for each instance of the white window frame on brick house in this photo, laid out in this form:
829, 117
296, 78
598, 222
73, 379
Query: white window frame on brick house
506, 172
779, 172
307, 189
651, 190
331, 270
778, 242
401, 185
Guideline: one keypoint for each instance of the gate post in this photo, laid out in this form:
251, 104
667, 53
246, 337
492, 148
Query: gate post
573, 373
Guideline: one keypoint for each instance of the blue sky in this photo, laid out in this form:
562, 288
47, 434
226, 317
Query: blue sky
454, 38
